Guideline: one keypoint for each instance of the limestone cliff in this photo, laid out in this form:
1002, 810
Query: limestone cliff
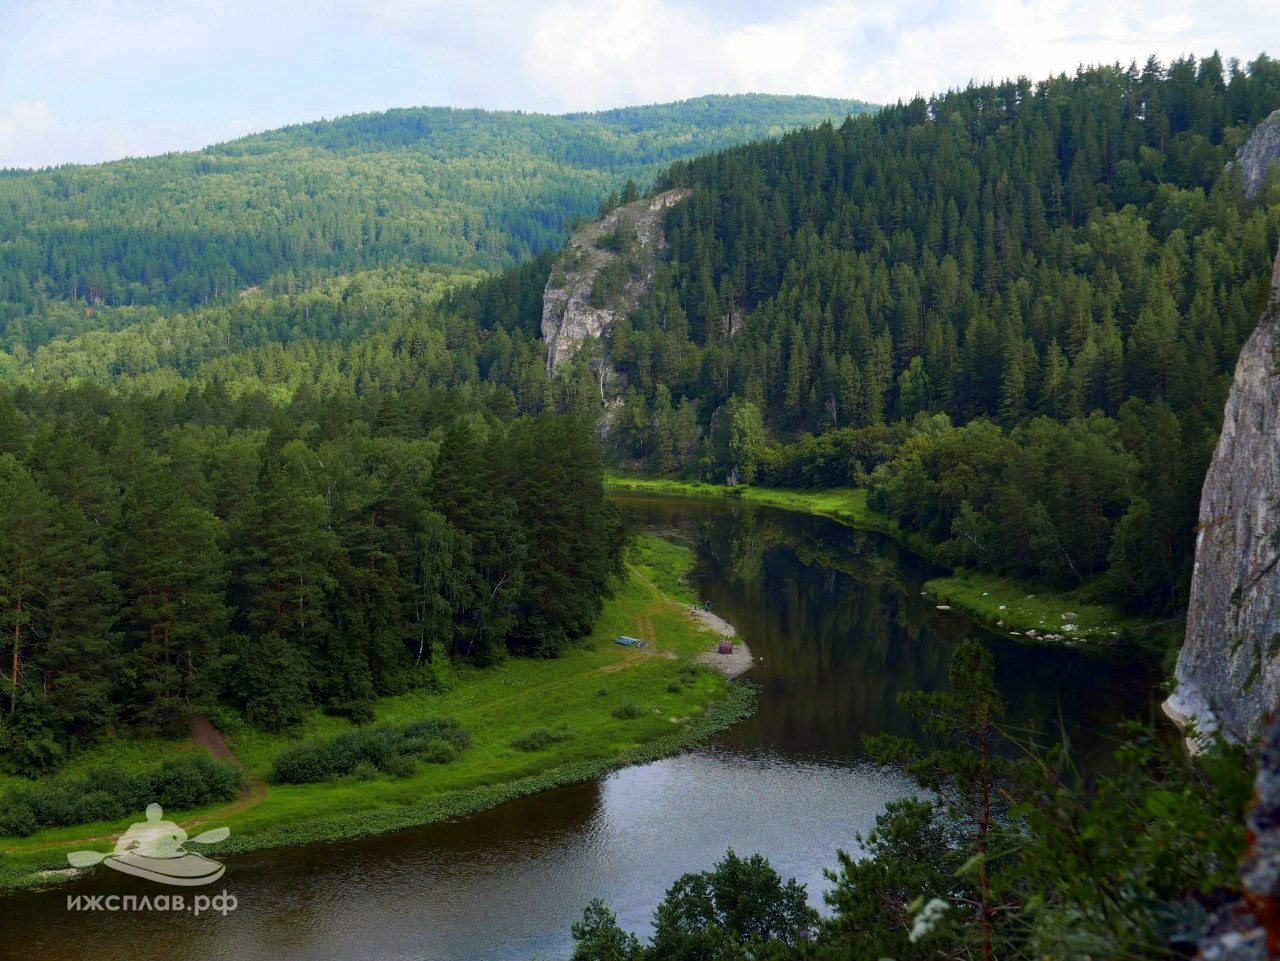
1228, 673
602, 273
1229, 668
1261, 150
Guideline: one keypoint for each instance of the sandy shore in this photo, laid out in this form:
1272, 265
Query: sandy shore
731, 665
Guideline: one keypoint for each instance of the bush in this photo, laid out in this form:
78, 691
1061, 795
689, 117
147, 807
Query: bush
439, 752
400, 765
364, 771
394, 751
17, 819
97, 806
689, 673
104, 794
540, 737
192, 781
627, 710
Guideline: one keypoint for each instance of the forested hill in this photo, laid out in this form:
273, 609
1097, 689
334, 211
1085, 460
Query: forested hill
1010, 311
429, 185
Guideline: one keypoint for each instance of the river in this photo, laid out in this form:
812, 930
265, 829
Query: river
839, 627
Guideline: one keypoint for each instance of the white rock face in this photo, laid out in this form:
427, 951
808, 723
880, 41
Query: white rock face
568, 315
1258, 153
1229, 667
1228, 671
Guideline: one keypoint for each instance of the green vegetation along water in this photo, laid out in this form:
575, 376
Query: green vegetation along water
839, 627
526, 725
1019, 608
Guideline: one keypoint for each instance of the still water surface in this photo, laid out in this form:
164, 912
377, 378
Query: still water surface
838, 626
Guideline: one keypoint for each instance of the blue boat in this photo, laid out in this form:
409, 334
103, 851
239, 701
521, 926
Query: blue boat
628, 641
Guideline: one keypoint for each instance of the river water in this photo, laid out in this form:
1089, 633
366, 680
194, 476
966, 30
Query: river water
839, 627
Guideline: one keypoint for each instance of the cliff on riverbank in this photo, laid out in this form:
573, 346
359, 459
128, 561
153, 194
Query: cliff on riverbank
1228, 670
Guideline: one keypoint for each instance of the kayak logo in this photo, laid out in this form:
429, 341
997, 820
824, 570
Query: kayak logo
153, 849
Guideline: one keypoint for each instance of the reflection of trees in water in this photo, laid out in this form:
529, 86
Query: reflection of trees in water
838, 619
822, 607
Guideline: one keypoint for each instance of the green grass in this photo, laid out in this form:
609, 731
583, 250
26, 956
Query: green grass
1022, 605
497, 706
666, 566
115, 752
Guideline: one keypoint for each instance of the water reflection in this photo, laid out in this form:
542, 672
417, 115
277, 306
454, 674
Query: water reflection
839, 626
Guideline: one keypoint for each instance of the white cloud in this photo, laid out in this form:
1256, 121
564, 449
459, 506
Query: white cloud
24, 124
88, 79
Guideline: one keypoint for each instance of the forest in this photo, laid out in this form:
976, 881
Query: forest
1011, 312
169, 555
471, 188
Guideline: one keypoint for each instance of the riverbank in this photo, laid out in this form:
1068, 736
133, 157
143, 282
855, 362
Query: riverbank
1024, 610
609, 705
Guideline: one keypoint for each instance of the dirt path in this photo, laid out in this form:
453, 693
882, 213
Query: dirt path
205, 735
252, 790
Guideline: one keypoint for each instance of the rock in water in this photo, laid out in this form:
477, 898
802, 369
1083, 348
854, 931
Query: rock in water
575, 305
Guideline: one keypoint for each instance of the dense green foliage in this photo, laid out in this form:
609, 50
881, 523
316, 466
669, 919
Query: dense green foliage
1009, 852
463, 187
1065, 271
393, 750
741, 908
1010, 312
173, 552
107, 793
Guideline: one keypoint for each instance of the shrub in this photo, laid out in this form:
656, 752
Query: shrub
104, 794
364, 771
540, 737
689, 673
627, 710
16, 818
192, 781
400, 765
439, 752
395, 751
97, 806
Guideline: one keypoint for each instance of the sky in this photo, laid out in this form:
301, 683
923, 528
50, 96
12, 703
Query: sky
91, 80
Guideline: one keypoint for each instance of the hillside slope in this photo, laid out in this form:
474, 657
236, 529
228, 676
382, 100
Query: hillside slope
1010, 312
468, 188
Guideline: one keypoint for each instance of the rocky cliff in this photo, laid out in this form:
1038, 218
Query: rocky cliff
1261, 150
1229, 669
1228, 673
602, 273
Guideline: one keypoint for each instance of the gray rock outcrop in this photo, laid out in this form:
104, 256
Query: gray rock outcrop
1258, 153
570, 313
1228, 673
1229, 668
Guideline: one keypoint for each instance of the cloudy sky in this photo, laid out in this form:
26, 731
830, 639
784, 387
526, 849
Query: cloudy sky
90, 80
